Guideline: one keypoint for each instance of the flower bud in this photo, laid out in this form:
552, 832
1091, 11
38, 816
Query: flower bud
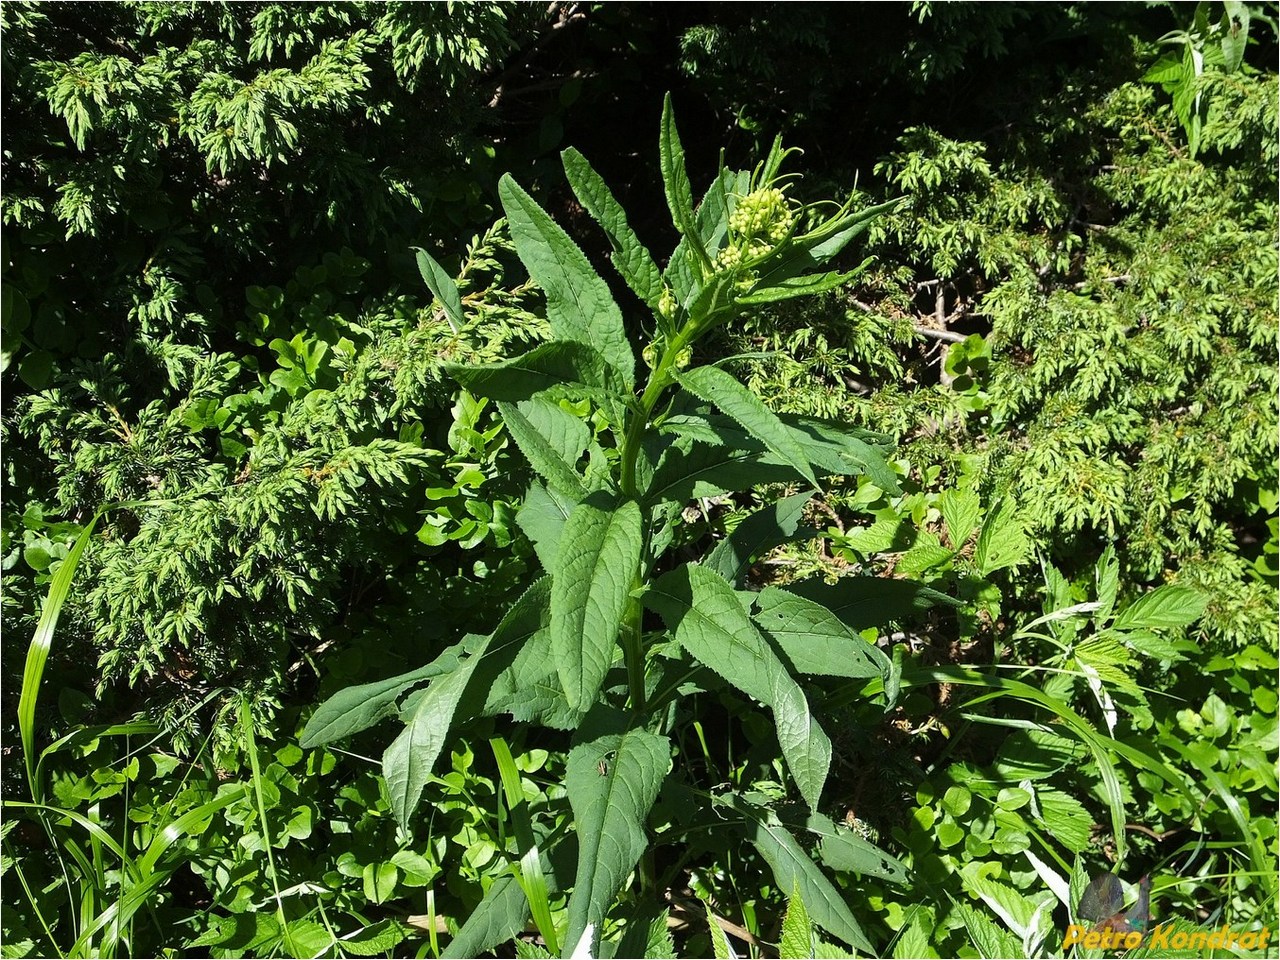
667, 304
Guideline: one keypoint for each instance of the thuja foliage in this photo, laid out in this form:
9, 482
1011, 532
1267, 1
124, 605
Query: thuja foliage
199, 310
576, 651
1117, 289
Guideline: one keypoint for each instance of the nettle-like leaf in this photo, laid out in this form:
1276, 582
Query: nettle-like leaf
579, 305
814, 639
707, 619
561, 363
632, 260
612, 782
552, 439
598, 558
715, 386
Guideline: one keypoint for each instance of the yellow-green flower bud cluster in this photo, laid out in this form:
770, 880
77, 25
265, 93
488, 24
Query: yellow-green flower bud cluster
763, 215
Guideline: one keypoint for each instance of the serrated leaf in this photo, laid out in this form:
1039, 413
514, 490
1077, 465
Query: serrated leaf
796, 939
530, 690
803, 286
552, 439
961, 511
612, 782
913, 942
712, 222
708, 620
1065, 818
554, 364
990, 941
844, 851
844, 451
632, 260
862, 602
598, 559
542, 517
579, 305
925, 554
443, 287
1002, 542
1168, 607
715, 386
357, 708
794, 870
687, 470
763, 530
675, 182
407, 762
1015, 910
814, 639
1107, 574
721, 949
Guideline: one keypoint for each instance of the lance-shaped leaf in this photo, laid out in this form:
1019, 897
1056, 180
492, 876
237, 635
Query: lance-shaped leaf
814, 639
675, 183
763, 530
442, 287
597, 561
715, 386
1164, 607
805, 286
542, 517
612, 782
503, 913
793, 870
686, 470
707, 619
713, 226
579, 305
843, 450
554, 364
843, 850
551, 438
357, 708
407, 763
861, 602
632, 260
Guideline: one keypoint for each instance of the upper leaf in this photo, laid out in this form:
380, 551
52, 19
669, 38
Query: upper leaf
715, 386
554, 364
632, 260
579, 305
675, 183
708, 620
598, 557
552, 439
612, 782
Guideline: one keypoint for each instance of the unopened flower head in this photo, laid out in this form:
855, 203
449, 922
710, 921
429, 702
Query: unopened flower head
763, 215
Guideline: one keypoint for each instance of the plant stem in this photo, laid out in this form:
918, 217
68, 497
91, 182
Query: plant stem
632, 634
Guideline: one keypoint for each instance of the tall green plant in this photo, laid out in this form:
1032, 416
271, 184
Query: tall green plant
574, 652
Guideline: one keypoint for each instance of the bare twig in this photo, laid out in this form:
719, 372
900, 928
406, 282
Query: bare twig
947, 335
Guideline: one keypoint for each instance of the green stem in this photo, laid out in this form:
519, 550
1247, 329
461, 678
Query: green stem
632, 634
